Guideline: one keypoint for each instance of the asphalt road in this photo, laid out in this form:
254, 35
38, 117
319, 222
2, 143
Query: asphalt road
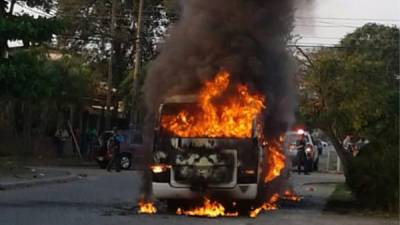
108, 198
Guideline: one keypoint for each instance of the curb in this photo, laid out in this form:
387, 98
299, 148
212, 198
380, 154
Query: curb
32, 183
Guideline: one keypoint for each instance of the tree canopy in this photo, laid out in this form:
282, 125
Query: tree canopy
353, 89
27, 28
346, 84
31, 76
31, 30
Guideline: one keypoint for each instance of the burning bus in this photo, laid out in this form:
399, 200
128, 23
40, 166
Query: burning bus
225, 139
212, 144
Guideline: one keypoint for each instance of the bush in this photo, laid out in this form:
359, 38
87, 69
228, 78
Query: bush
373, 177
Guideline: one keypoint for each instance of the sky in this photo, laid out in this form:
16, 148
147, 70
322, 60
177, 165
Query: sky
325, 22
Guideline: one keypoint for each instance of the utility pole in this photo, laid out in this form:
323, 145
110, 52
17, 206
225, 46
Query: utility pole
137, 63
110, 69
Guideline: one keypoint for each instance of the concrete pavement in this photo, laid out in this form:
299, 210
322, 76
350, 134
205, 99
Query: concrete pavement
33, 176
108, 198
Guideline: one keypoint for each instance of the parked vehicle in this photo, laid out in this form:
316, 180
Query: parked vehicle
291, 147
131, 143
186, 167
324, 144
319, 146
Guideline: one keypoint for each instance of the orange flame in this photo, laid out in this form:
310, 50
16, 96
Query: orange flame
208, 209
233, 118
275, 161
291, 196
146, 207
267, 206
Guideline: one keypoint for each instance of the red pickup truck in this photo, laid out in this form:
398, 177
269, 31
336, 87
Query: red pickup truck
131, 146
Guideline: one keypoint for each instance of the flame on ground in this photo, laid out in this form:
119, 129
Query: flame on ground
214, 209
267, 206
146, 207
232, 118
272, 203
208, 209
291, 196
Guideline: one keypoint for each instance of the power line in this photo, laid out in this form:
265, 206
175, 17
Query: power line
326, 26
330, 24
341, 25
150, 19
79, 6
320, 45
313, 45
316, 37
349, 19
338, 38
127, 17
154, 9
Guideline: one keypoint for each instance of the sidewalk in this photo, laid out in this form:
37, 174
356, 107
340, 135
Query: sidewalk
31, 176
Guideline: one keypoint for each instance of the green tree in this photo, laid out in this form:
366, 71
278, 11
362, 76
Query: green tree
32, 31
20, 74
88, 34
354, 89
88, 31
38, 88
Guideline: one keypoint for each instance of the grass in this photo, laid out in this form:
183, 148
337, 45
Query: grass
341, 201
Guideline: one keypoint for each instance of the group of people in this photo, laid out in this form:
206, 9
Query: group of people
353, 144
86, 142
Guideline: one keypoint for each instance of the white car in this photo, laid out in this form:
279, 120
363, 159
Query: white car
324, 144
291, 146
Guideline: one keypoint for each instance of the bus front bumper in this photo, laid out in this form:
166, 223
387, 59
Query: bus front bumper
239, 192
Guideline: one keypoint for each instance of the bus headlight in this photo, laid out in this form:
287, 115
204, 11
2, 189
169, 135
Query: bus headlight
159, 168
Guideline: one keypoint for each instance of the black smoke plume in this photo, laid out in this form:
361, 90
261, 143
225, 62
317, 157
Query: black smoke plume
246, 37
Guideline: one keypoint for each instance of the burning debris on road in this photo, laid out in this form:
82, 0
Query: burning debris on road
291, 196
146, 207
267, 206
209, 208
212, 208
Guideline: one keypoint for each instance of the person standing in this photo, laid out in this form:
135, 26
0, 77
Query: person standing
348, 144
91, 140
113, 145
61, 136
301, 156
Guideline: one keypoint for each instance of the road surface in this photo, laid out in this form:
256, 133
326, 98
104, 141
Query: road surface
107, 198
